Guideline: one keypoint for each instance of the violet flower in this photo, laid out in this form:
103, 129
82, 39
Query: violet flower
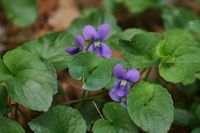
123, 85
97, 38
79, 41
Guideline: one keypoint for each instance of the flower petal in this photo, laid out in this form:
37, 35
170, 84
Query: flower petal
72, 50
117, 83
121, 92
113, 95
79, 40
90, 33
119, 71
103, 31
105, 51
124, 104
132, 75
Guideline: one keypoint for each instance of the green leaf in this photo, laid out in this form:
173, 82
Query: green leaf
3, 101
138, 6
196, 130
180, 58
52, 47
140, 51
59, 119
181, 117
117, 120
94, 70
97, 18
197, 111
30, 81
194, 26
22, 13
175, 17
10, 126
128, 34
150, 106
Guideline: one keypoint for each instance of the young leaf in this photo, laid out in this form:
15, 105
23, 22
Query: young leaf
52, 47
140, 51
150, 106
95, 19
30, 81
22, 12
117, 120
59, 119
94, 70
10, 126
3, 101
180, 58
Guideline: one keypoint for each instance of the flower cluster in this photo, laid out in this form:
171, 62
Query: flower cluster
93, 41
123, 84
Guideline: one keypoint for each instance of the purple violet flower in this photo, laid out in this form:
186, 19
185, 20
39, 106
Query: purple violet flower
97, 38
122, 86
79, 41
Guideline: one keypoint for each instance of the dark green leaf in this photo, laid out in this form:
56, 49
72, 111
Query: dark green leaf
3, 101
196, 130
52, 47
94, 70
181, 117
140, 51
150, 106
117, 120
30, 81
22, 12
59, 119
10, 126
194, 26
138, 6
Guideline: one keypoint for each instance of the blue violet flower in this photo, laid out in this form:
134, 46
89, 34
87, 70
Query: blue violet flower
123, 84
94, 39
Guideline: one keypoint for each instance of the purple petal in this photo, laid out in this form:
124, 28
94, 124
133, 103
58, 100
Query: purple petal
105, 51
90, 33
103, 31
72, 50
113, 95
119, 71
132, 75
124, 104
79, 40
121, 92
117, 83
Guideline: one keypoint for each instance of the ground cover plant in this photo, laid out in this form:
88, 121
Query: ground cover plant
133, 79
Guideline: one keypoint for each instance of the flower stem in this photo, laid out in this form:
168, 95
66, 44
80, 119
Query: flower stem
95, 105
147, 75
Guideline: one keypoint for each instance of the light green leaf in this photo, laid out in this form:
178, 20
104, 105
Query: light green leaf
175, 17
52, 47
117, 120
30, 82
180, 58
59, 119
96, 19
150, 106
140, 51
94, 70
3, 101
21, 12
10, 126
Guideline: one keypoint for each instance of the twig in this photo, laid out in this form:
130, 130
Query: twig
95, 105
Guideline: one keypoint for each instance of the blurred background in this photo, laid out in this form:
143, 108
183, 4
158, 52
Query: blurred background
24, 20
